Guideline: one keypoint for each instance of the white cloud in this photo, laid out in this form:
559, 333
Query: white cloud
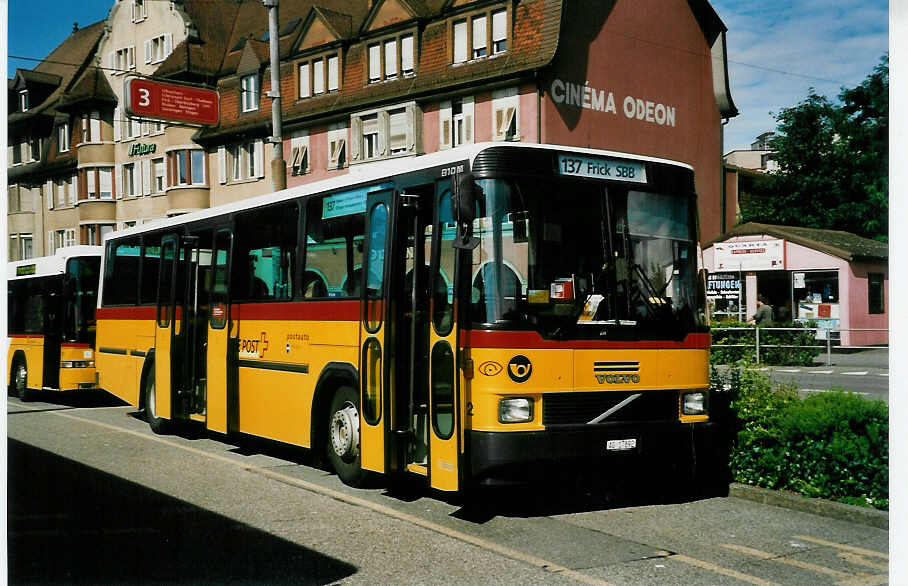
778, 50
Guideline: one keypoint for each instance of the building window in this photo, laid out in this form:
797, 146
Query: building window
473, 38
94, 234
391, 57
98, 182
21, 244
249, 93
91, 127
123, 59
23, 100
875, 296
505, 114
138, 10
158, 48
63, 138
337, 147
299, 153
187, 167
34, 149
61, 186
157, 172
105, 182
384, 133
129, 180
245, 160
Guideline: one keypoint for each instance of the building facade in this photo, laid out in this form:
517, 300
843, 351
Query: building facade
367, 81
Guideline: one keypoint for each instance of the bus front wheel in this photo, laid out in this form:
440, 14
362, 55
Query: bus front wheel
20, 381
343, 445
157, 424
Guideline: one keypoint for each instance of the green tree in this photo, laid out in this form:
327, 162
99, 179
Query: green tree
833, 163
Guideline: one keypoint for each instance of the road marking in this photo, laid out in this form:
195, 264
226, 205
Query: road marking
788, 370
821, 371
842, 546
723, 571
883, 374
856, 373
785, 560
361, 502
833, 391
860, 560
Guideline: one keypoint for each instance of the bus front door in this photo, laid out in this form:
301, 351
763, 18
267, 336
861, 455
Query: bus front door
221, 354
167, 329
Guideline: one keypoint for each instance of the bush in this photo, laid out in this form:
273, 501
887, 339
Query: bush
730, 347
831, 445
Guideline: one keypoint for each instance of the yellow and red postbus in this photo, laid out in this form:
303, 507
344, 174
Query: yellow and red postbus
51, 304
464, 316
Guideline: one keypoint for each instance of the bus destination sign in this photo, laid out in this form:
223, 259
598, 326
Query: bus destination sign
171, 102
606, 169
25, 270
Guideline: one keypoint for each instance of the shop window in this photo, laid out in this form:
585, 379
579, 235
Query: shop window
875, 296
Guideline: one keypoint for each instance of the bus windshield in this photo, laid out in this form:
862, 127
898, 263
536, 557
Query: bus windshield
580, 259
81, 298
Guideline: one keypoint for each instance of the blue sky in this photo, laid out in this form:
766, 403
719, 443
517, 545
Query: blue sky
777, 49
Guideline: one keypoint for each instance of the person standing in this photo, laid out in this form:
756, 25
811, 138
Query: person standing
763, 317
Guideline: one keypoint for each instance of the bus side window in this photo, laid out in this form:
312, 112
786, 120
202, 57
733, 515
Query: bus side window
334, 251
266, 241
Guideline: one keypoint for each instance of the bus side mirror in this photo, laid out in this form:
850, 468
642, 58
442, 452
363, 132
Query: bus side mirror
463, 208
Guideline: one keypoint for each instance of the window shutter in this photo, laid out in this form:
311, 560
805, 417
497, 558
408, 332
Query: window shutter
49, 194
146, 177
222, 164
499, 122
383, 133
73, 189
444, 129
118, 180
116, 124
112, 61
148, 51
509, 116
49, 245
259, 159
406, 54
131, 57
356, 131
460, 41
468, 120
413, 126
168, 44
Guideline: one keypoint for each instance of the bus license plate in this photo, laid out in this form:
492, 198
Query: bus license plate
621, 445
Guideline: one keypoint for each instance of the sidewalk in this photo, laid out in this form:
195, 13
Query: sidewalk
874, 358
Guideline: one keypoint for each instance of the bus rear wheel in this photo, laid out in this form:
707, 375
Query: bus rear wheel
158, 425
19, 378
343, 446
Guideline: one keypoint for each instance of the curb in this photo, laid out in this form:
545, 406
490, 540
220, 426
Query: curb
822, 507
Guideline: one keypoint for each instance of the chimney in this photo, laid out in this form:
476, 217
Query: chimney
75, 27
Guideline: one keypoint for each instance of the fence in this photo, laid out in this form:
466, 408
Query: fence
818, 332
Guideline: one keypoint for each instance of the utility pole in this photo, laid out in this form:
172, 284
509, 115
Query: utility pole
278, 165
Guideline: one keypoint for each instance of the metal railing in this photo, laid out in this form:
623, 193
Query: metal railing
826, 331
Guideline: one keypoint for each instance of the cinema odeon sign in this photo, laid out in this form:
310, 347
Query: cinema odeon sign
601, 100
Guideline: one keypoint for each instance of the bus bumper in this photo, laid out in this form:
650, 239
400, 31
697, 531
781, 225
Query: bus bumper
499, 458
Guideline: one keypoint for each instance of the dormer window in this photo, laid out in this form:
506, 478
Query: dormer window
23, 100
391, 57
479, 35
249, 93
319, 74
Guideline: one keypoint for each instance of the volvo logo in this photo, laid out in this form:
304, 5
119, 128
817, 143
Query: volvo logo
616, 372
618, 379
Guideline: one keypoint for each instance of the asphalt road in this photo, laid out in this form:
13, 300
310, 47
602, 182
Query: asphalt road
95, 497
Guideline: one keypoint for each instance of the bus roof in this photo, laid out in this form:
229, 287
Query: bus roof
49, 265
372, 172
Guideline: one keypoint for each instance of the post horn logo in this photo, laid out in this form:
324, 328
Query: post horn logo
520, 368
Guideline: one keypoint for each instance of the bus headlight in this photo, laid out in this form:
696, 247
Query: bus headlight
515, 410
693, 403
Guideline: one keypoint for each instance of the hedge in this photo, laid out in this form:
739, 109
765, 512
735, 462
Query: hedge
830, 445
775, 356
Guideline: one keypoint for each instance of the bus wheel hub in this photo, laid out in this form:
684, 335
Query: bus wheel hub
345, 432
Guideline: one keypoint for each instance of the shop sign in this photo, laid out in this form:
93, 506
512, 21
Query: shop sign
138, 149
755, 255
723, 286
